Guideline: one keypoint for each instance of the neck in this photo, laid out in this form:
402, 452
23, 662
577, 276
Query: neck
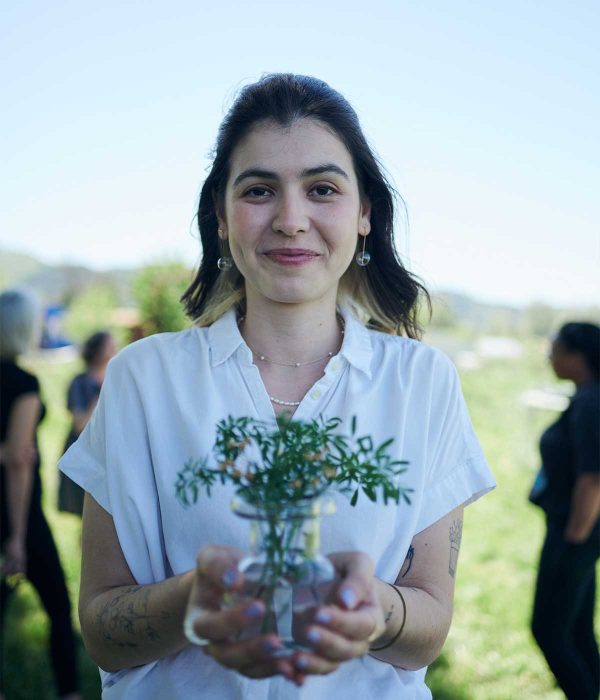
292, 332
97, 372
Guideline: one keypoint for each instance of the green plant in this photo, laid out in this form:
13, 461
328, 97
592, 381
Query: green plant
292, 462
157, 290
280, 471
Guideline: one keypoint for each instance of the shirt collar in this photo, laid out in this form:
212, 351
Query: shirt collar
356, 347
225, 339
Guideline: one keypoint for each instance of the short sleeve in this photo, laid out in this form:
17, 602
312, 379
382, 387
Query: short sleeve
111, 460
584, 431
457, 471
85, 461
76, 400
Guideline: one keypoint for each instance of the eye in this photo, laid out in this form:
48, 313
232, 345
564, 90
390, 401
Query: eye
323, 190
257, 192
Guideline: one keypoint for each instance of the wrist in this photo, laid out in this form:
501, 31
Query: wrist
393, 606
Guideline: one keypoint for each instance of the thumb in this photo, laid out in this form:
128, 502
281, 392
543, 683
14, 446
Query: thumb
218, 566
356, 570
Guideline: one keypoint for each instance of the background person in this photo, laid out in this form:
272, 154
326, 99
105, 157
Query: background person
286, 309
568, 489
26, 541
82, 398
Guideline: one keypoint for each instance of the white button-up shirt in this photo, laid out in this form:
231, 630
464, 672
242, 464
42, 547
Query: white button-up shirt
159, 405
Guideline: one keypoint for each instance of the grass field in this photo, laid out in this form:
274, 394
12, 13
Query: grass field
489, 655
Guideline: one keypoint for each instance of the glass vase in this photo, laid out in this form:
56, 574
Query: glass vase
285, 569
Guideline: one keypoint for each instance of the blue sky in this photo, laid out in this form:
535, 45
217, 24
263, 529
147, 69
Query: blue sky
485, 114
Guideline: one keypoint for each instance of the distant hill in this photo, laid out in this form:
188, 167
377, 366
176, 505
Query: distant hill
58, 284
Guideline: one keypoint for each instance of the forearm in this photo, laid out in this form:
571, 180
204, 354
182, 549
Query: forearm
19, 474
134, 625
81, 418
425, 623
585, 508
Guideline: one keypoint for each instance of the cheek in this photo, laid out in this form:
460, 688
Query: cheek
246, 223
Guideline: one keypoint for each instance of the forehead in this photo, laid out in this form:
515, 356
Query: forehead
287, 150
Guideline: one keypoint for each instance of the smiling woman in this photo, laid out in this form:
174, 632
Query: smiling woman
289, 319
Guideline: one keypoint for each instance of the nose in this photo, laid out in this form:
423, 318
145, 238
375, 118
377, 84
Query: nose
291, 217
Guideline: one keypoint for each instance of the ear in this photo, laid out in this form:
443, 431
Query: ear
222, 230
222, 227
364, 221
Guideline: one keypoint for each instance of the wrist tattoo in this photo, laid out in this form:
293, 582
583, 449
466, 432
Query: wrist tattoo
124, 619
455, 537
388, 616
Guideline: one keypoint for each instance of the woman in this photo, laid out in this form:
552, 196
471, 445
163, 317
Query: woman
82, 397
569, 493
293, 208
27, 544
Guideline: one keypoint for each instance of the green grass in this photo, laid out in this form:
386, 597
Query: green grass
489, 655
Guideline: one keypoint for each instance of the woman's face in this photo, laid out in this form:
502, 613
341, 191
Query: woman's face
566, 364
292, 212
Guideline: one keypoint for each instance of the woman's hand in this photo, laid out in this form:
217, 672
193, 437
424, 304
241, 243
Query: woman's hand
344, 629
217, 629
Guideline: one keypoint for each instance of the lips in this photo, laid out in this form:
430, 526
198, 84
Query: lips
291, 256
291, 252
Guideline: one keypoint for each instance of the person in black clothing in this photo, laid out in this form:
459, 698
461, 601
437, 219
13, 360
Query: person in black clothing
26, 542
82, 397
568, 490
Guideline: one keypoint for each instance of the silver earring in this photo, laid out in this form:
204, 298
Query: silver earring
362, 257
224, 263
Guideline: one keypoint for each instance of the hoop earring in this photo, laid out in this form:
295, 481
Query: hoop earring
363, 257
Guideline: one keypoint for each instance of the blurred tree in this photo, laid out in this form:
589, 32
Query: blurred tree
157, 289
443, 316
91, 310
539, 319
502, 321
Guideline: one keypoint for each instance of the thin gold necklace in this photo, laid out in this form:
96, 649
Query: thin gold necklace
264, 358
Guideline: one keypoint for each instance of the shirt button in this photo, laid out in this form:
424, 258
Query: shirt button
335, 365
315, 394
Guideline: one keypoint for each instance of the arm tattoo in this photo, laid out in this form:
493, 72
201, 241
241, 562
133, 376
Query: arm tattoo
126, 615
409, 558
455, 538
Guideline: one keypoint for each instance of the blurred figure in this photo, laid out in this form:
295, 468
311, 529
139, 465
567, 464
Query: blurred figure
568, 490
26, 541
82, 397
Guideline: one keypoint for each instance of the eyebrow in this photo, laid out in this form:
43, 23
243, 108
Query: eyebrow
307, 172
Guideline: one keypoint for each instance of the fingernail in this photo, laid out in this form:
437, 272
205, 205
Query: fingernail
230, 577
269, 646
323, 617
301, 663
314, 636
253, 611
349, 597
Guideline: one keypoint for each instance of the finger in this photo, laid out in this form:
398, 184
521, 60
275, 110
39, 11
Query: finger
248, 652
356, 570
282, 667
221, 625
218, 566
356, 625
311, 664
333, 647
